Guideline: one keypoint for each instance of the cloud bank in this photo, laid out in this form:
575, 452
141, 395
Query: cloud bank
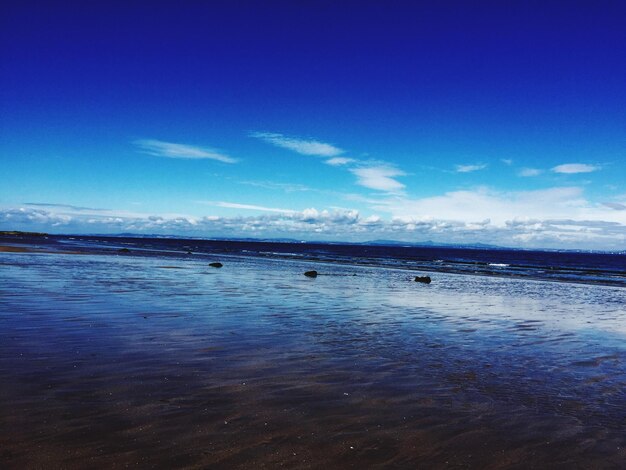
569, 222
500, 207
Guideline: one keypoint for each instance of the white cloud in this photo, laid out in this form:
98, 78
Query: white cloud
507, 161
25, 217
470, 168
171, 150
498, 206
572, 168
380, 178
339, 161
527, 172
302, 146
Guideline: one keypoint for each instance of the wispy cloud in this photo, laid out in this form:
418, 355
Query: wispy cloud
507, 161
470, 168
62, 206
339, 161
287, 187
302, 146
572, 168
380, 178
252, 207
159, 148
82, 211
528, 172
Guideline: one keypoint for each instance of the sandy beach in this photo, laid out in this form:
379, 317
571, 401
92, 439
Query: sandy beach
123, 361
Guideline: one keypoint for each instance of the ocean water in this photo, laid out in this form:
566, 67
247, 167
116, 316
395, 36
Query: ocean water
570, 266
153, 358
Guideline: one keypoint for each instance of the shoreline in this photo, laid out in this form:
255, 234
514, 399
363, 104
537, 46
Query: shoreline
108, 251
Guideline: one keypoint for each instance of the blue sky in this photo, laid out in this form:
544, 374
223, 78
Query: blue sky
493, 122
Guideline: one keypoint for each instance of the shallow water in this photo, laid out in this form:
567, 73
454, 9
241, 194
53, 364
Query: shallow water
164, 361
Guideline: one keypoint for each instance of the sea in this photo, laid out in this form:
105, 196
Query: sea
122, 351
553, 265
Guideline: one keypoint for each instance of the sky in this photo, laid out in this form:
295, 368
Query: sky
453, 122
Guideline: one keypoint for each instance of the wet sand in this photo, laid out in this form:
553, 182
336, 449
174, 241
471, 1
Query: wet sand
114, 361
31, 249
15, 249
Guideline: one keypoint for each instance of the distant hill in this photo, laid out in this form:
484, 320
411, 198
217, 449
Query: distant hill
379, 242
430, 243
427, 243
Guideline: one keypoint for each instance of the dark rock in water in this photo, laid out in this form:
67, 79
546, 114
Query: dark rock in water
311, 274
423, 279
123, 250
216, 265
189, 253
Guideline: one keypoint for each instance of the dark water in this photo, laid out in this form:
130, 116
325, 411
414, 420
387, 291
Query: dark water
156, 360
586, 267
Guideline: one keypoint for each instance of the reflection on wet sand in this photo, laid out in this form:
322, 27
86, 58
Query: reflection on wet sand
113, 360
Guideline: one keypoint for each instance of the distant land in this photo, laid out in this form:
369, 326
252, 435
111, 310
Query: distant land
428, 243
17, 233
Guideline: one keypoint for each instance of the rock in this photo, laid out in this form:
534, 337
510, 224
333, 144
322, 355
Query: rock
216, 265
189, 253
123, 250
311, 274
423, 279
